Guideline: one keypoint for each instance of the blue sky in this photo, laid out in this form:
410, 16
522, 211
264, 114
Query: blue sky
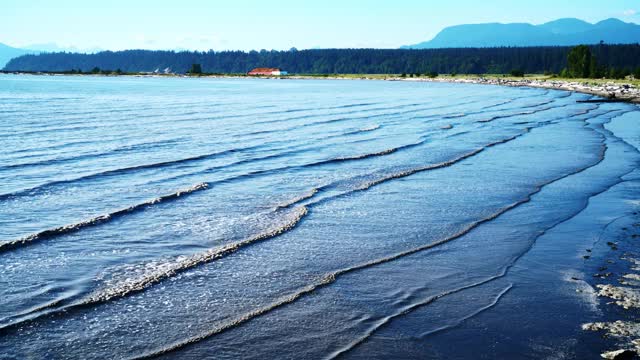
253, 24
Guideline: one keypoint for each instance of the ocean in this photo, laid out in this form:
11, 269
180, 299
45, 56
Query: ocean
252, 218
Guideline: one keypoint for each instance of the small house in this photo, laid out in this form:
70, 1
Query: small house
267, 71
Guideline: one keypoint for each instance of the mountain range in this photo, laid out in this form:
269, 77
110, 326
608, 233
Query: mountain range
8, 52
562, 32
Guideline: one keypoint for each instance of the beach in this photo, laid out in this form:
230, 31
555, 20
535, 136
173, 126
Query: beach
615, 91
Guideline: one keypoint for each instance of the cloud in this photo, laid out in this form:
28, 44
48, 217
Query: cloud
629, 12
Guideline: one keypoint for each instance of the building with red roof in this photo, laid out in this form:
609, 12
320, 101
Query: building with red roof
266, 71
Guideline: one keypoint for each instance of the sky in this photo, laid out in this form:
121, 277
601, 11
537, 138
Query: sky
280, 25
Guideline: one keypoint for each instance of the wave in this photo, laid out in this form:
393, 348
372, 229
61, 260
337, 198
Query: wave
530, 112
358, 131
50, 233
582, 112
66, 145
386, 320
168, 163
173, 119
38, 188
263, 172
67, 229
484, 108
459, 322
139, 112
164, 271
298, 199
154, 274
600, 159
359, 111
444, 164
331, 277
363, 156
302, 210
342, 118
63, 160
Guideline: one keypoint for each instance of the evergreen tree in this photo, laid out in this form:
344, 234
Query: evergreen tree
195, 69
579, 62
531, 60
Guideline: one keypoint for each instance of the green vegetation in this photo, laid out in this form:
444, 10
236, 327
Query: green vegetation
517, 73
612, 60
581, 63
196, 69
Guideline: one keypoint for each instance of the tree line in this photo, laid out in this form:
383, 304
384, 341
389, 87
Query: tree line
609, 59
584, 62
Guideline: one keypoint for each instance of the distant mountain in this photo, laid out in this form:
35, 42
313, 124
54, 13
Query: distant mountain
53, 47
562, 32
7, 53
567, 26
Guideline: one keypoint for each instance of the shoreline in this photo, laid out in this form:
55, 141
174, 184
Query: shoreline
616, 282
621, 92
608, 89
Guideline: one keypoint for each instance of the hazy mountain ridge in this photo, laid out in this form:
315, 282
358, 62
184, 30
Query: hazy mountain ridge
9, 52
561, 32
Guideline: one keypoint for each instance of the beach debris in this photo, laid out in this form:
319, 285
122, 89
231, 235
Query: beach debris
635, 263
624, 296
608, 91
602, 275
619, 354
632, 277
617, 328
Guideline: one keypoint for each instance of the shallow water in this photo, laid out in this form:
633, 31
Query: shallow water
288, 218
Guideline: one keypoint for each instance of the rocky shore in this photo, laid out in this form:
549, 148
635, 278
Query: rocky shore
610, 90
618, 284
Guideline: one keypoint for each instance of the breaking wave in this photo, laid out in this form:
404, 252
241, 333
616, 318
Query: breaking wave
67, 229
152, 273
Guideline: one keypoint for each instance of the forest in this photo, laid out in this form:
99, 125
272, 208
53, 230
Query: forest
617, 60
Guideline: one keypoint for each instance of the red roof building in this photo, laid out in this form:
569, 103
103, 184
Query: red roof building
266, 71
